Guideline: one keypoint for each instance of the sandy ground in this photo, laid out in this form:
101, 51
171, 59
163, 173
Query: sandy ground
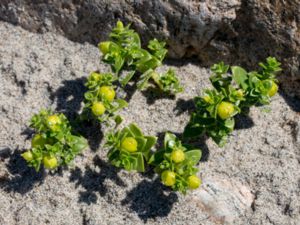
254, 179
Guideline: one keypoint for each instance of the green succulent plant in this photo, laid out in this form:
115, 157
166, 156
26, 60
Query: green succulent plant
234, 92
53, 145
129, 148
100, 101
123, 51
176, 164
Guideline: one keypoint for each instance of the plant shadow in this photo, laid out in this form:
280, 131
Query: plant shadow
293, 102
19, 177
243, 121
152, 94
91, 130
200, 143
183, 106
126, 92
69, 98
183, 62
150, 199
28, 133
93, 181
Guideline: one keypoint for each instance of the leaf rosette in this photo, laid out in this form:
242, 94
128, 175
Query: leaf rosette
235, 91
124, 156
183, 165
54, 143
123, 51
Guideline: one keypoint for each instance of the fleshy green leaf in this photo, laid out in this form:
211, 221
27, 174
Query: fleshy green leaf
127, 78
141, 142
240, 76
151, 141
135, 130
169, 140
118, 120
142, 83
140, 167
193, 156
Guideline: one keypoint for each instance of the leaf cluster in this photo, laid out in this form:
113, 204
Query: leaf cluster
162, 161
94, 83
120, 157
123, 51
53, 140
238, 87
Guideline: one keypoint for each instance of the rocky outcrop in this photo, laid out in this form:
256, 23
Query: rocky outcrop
270, 28
188, 26
236, 31
266, 28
